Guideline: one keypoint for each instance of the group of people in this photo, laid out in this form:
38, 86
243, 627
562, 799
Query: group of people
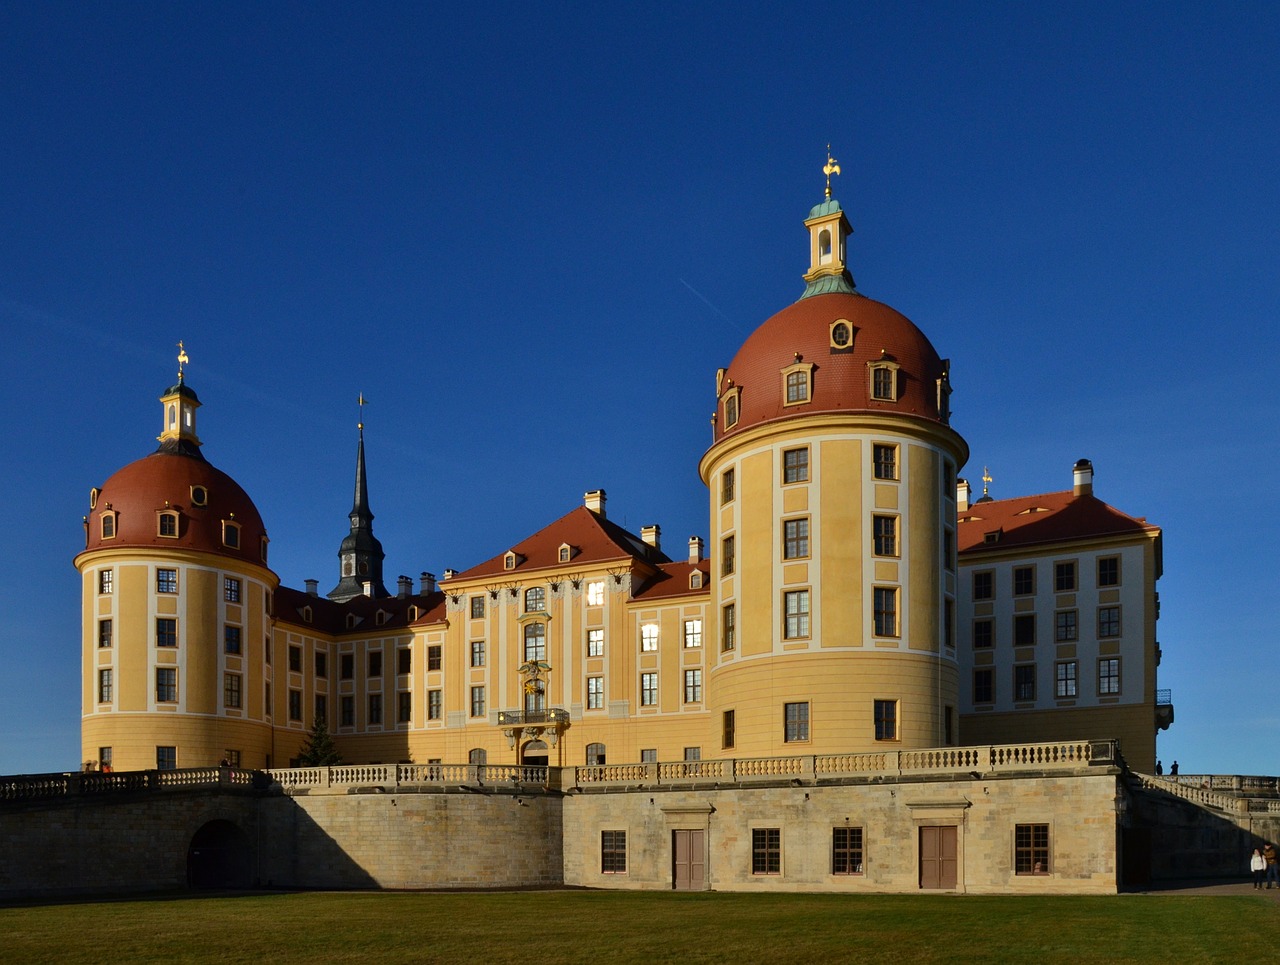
1172, 771
1264, 863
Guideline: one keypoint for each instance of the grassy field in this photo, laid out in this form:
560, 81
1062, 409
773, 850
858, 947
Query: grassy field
576, 926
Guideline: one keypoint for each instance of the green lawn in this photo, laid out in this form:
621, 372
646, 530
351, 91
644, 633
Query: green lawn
580, 926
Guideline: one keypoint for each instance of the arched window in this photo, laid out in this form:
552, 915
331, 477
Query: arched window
477, 755
535, 697
595, 753
535, 599
824, 246
535, 642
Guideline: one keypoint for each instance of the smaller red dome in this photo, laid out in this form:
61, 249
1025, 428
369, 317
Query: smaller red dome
841, 373
201, 497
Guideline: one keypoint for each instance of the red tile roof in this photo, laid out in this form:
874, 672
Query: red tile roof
331, 618
673, 580
1047, 518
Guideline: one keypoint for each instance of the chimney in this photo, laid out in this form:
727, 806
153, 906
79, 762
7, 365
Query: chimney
695, 549
404, 586
594, 501
367, 587
313, 587
652, 535
963, 492
1082, 482
428, 581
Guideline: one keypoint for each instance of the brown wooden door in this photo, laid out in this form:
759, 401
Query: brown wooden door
938, 857
688, 864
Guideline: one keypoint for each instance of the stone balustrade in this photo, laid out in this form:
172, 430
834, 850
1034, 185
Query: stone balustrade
1224, 792
43, 787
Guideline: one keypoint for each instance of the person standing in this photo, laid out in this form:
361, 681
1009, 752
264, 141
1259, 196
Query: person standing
1174, 770
1159, 768
1269, 855
1258, 865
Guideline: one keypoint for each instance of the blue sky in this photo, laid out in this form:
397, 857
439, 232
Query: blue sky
530, 236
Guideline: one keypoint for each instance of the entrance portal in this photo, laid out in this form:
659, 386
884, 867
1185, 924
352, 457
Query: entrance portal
219, 857
688, 860
535, 754
938, 857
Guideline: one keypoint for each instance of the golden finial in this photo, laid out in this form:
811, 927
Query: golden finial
986, 479
362, 401
182, 360
830, 168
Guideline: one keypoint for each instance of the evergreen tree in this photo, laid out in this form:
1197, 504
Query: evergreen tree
319, 750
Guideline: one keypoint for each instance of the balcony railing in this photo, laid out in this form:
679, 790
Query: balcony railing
534, 718
1164, 697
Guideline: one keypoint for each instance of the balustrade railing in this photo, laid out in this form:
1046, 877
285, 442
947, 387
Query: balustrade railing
35, 787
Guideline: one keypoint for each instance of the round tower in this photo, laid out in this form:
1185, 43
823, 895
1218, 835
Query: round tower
832, 478
176, 603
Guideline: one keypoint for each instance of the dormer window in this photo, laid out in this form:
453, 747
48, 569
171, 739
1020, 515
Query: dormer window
731, 404
884, 380
352, 620
511, 560
381, 617
306, 614
108, 521
797, 383
841, 334
230, 534
263, 549
199, 496
167, 525
566, 552
695, 580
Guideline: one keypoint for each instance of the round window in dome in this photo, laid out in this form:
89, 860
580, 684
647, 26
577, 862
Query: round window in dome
841, 334
199, 496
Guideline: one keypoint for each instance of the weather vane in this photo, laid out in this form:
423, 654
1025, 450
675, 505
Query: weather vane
182, 360
830, 168
360, 424
986, 478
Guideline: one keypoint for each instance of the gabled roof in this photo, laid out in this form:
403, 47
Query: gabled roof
1047, 518
330, 617
592, 538
672, 580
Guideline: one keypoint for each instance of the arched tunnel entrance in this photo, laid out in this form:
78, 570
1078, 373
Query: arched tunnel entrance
219, 856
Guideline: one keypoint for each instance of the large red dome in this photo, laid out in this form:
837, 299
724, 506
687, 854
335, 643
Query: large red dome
203, 497
841, 373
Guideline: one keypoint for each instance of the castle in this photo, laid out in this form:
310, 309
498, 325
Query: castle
850, 597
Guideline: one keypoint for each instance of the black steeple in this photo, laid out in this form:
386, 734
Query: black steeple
360, 555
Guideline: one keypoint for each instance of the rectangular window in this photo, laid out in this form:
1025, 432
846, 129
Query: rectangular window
693, 753
692, 633
949, 623
231, 690
477, 653
766, 851
322, 664
886, 611
648, 690
375, 709
1031, 849
347, 712
477, 607
613, 852
728, 626
649, 755
1064, 626
404, 659
1024, 580
231, 639
322, 707
295, 705
1024, 682
727, 724
846, 851
404, 707
1109, 621
1024, 630
795, 539
948, 549
728, 482
1109, 675
885, 459
795, 465
166, 758
983, 634
295, 659
984, 686
595, 693
104, 758
886, 720
796, 605
104, 633
692, 686
882, 383
435, 704
649, 637
885, 535
104, 686
595, 594
795, 722
595, 642
1109, 571
535, 641
477, 702
1064, 679
106, 581
166, 581
266, 700
166, 685
983, 585
166, 632
375, 663
231, 589
1064, 576
231, 758
797, 387
346, 665
727, 549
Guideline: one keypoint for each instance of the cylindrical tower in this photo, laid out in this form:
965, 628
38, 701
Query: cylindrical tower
832, 482
176, 611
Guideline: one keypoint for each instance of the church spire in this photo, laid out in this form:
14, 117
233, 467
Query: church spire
360, 555
828, 234
178, 433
